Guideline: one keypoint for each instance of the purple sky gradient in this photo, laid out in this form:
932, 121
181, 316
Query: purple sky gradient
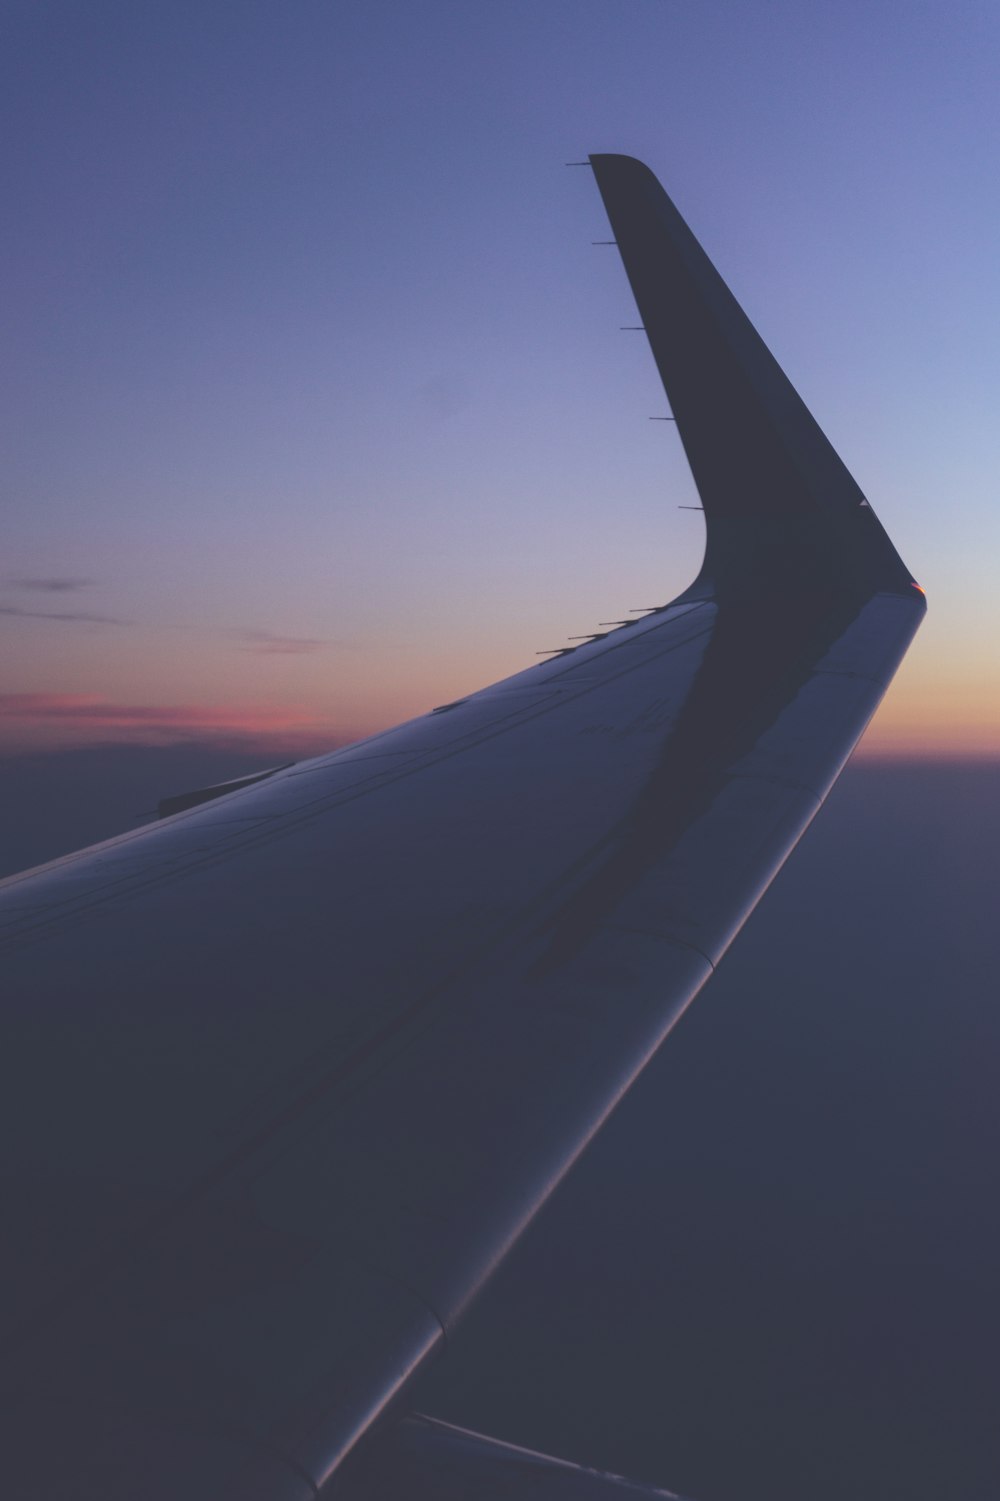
312, 383
313, 380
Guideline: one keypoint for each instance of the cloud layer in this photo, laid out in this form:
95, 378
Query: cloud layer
264, 644
57, 584
40, 720
85, 615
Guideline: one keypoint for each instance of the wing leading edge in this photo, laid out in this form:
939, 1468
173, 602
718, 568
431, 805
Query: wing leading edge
292, 1070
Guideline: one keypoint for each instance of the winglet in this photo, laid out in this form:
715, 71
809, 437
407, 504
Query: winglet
780, 506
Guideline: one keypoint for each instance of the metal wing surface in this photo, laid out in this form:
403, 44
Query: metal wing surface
286, 1074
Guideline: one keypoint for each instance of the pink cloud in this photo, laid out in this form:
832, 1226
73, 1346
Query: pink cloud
45, 719
263, 644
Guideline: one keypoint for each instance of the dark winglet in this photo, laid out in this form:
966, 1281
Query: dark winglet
781, 510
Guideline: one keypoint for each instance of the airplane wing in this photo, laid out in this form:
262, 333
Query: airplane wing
286, 1074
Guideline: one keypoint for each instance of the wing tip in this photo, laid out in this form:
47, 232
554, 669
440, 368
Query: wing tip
780, 506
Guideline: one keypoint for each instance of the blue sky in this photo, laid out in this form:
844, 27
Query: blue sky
316, 401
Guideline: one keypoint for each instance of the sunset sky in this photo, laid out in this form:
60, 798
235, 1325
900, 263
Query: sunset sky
317, 409
317, 415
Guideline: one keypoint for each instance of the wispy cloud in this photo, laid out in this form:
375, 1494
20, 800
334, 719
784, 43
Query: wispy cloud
55, 585
67, 615
264, 644
36, 719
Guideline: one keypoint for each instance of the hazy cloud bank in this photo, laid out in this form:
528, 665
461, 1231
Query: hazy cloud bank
264, 644
57, 584
77, 615
36, 722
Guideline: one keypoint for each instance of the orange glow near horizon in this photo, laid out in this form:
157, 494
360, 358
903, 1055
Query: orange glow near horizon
927, 713
166, 688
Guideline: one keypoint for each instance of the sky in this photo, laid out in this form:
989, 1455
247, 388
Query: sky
317, 414
317, 409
